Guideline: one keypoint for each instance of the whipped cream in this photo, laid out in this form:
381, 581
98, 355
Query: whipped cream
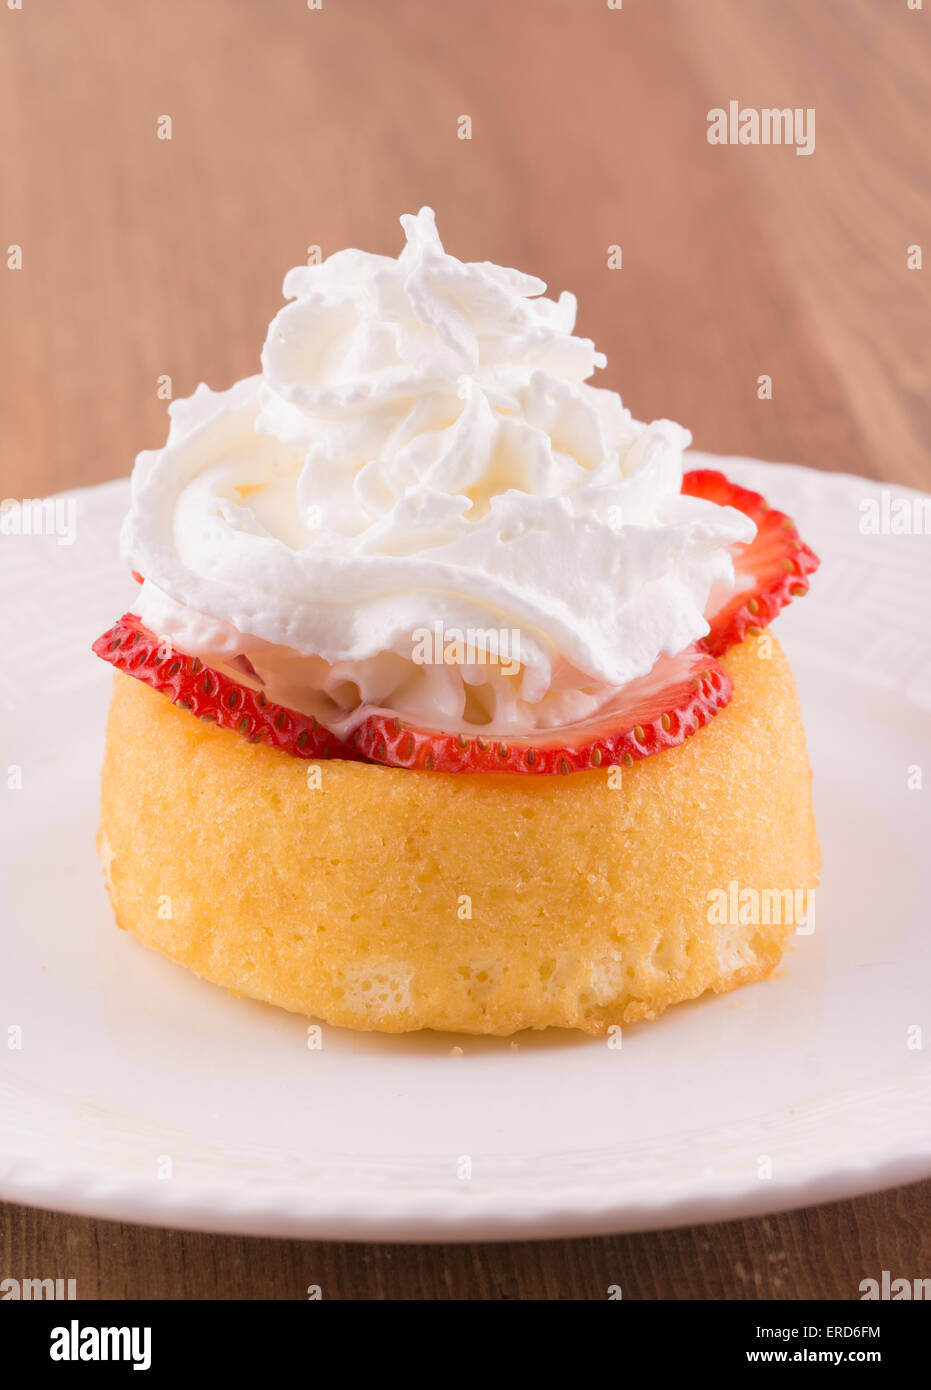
422, 447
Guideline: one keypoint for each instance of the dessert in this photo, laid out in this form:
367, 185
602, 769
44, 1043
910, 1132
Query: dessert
446, 702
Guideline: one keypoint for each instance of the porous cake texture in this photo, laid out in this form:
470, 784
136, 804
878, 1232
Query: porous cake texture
382, 898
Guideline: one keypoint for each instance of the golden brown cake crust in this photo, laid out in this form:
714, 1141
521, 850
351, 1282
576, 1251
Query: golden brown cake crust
381, 898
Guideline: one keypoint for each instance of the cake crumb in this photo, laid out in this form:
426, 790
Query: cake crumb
456, 1052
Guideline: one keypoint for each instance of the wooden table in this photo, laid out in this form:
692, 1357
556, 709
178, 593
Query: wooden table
290, 127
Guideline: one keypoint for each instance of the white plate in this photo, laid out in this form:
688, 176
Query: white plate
130, 1068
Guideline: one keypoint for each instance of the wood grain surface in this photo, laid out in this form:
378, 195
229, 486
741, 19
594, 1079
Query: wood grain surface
293, 127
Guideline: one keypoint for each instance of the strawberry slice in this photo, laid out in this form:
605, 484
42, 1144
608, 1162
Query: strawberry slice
214, 696
658, 711
777, 561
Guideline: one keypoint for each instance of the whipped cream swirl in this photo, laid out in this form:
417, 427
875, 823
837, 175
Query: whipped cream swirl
422, 448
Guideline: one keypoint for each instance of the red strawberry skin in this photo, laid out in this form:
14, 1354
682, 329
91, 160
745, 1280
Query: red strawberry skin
214, 696
657, 712
777, 559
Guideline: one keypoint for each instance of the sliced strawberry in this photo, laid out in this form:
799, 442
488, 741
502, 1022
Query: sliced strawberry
658, 711
214, 696
777, 561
